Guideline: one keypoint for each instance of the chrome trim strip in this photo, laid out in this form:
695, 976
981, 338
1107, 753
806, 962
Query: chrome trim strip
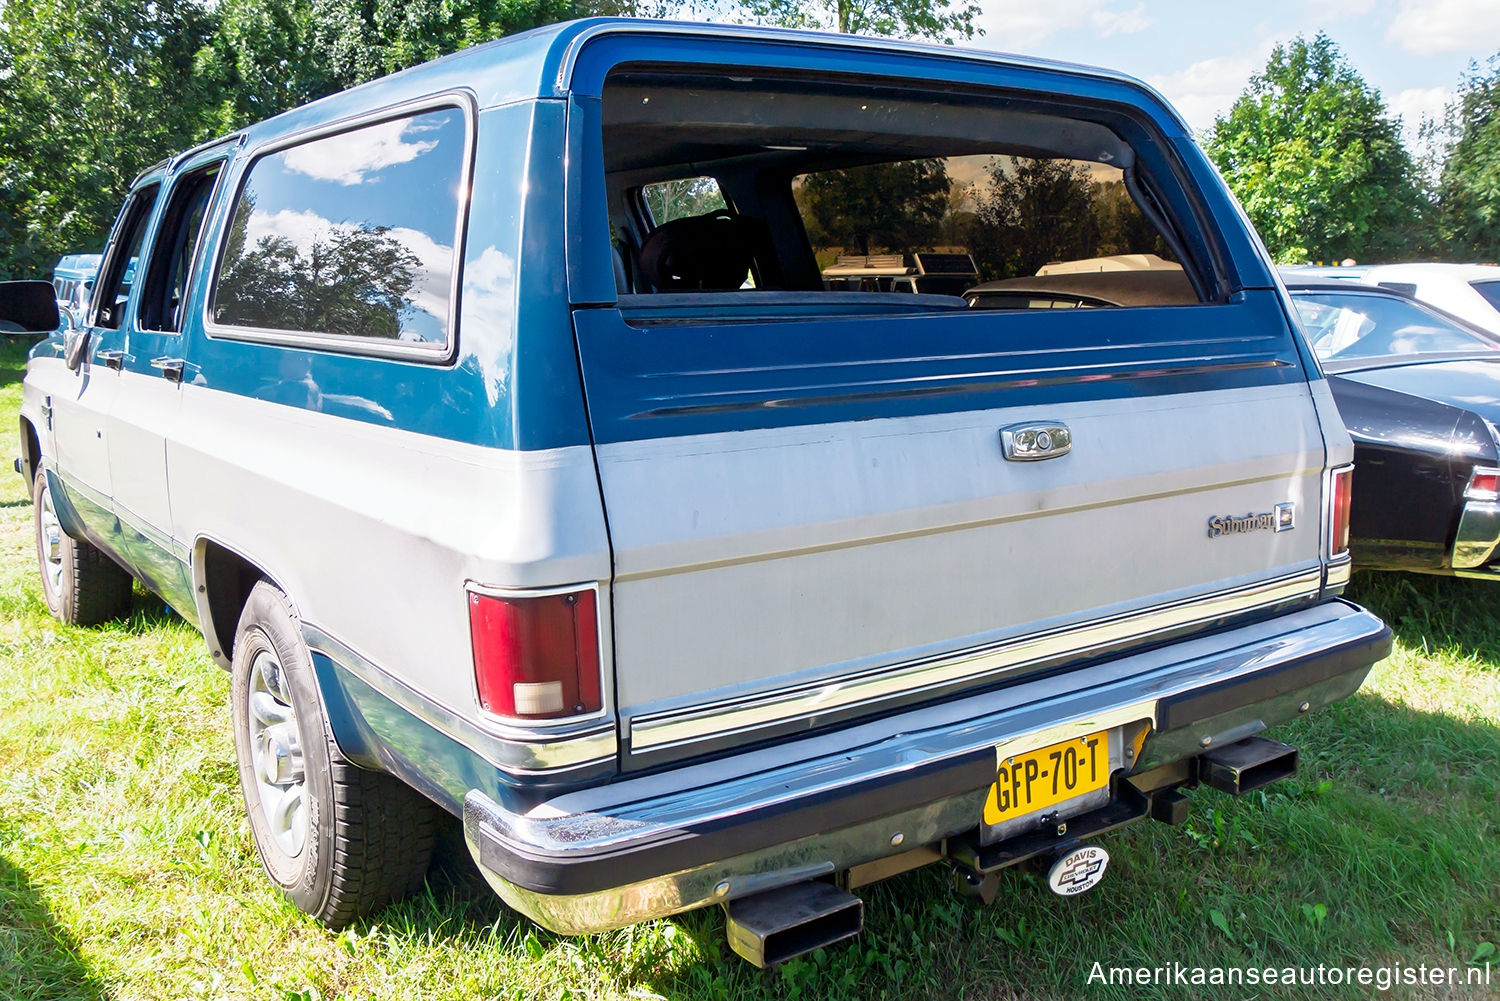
515, 750
636, 813
1339, 571
982, 665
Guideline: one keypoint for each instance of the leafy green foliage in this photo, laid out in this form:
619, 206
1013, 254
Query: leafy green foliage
941, 20
93, 91
1312, 152
359, 40
1036, 211
353, 282
1469, 186
891, 207
688, 196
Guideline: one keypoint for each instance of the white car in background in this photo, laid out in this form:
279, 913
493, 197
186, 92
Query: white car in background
1468, 291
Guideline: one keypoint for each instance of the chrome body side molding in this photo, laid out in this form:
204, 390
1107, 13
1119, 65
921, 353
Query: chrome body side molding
811, 704
517, 751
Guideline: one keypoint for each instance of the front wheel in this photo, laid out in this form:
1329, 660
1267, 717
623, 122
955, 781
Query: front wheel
81, 585
339, 840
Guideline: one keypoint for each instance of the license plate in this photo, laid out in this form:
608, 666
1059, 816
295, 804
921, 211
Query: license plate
1031, 782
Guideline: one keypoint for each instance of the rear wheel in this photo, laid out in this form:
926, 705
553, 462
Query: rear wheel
339, 840
81, 585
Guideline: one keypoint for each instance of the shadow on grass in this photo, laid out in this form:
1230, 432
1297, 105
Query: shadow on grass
38, 960
1433, 613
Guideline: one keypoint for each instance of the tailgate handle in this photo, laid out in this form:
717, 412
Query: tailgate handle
1035, 440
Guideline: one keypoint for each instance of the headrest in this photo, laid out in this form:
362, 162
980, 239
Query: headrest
710, 252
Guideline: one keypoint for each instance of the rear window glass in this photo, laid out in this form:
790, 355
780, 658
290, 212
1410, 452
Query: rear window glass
350, 235
808, 185
1343, 327
1490, 290
1001, 216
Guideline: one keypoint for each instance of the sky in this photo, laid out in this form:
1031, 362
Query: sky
1201, 54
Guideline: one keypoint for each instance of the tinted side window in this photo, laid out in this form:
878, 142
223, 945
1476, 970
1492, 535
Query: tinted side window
164, 298
350, 235
1343, 326
119, 267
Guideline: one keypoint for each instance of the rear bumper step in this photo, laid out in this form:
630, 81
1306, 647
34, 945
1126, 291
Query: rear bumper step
1247, 765
782, 924
722, 830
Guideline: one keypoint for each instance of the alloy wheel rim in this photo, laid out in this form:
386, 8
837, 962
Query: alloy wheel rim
51, 544
276, 754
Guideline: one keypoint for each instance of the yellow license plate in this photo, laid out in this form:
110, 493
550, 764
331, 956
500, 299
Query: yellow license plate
1030, 782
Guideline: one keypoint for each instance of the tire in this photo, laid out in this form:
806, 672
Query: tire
81, 585
338, 840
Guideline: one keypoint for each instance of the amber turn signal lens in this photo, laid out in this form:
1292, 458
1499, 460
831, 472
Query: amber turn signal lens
1338, 534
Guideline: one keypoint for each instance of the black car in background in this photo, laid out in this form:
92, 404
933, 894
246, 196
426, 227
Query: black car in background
1419, 391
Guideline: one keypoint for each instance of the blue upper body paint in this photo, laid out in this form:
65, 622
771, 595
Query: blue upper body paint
537, 245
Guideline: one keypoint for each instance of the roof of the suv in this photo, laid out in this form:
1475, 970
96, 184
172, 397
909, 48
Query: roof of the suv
540, 63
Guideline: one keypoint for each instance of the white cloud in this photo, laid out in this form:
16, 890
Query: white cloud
1207, 88
1018, 25
301, 228
489, 310
1435, 27
348, 157
1416, 104
431, 290
1125, 22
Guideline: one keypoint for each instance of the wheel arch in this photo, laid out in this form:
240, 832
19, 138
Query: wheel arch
223, 577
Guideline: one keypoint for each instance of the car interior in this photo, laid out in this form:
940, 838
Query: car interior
796, 194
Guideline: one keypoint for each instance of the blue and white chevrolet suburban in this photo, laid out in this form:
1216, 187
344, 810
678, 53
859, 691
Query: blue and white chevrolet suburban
570, 435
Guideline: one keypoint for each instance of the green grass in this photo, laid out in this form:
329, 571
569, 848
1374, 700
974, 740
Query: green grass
126, 869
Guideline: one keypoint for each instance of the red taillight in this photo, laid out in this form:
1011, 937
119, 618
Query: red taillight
1338, 529
536, 656
1484, 485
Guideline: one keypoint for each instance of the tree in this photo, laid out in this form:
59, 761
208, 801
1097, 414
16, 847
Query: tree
359, 40
1469, 186
1033, 212
354, 281
260, 61
942, 20
1315, 157
892, 207
93, 91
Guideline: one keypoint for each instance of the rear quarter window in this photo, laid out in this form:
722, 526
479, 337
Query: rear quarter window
349, 237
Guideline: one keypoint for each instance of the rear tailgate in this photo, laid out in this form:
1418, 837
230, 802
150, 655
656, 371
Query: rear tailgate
813, 520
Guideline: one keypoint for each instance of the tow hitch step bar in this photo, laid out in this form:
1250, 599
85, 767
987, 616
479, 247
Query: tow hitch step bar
781, 924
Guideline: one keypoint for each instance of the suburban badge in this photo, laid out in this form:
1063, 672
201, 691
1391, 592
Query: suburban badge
1280, 518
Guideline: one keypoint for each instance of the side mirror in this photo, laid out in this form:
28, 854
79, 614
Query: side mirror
75, 347
28, 307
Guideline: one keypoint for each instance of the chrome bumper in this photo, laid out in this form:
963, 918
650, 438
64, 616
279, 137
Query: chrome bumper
706, 833
1478, 535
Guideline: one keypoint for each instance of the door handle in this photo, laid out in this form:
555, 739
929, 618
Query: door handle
113, 359
170, 368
